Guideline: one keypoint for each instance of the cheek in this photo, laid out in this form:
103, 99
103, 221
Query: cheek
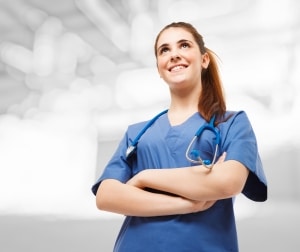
197, 63
160, 66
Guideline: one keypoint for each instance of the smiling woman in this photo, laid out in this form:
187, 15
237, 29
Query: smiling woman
155, 186
59, 126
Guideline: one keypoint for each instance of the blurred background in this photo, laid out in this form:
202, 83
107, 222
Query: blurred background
75, 73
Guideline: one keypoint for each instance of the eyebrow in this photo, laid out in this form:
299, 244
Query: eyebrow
178, 42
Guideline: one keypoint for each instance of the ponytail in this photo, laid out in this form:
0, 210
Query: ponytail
211, 100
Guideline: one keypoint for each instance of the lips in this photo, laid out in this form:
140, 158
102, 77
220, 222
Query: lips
176, 68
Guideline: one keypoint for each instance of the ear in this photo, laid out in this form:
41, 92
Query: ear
205, 60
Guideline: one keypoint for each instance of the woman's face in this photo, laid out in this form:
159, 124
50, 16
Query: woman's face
179, 60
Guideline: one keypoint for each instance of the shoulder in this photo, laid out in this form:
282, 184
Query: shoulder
233, 116
135, 129
237, 120
137, 125
233, 113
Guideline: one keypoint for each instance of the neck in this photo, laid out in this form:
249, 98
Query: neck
184, 103
181, 111
180, 103
183, 108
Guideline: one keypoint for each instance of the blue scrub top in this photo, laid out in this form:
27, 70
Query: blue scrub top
163, 145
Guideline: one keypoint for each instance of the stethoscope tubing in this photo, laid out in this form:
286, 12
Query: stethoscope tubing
209, 126
131, 148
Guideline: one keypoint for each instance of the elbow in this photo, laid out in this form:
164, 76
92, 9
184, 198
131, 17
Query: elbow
234, 179
232, 186
107, 196
101, 196
98, 203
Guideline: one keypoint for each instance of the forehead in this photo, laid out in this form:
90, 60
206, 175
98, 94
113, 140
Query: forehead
173, 35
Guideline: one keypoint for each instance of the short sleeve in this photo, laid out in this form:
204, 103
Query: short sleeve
117, 168
240, 144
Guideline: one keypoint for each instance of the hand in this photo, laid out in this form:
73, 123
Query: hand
221, 158
198, 206
135, 180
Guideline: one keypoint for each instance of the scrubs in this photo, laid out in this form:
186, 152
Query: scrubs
162, 146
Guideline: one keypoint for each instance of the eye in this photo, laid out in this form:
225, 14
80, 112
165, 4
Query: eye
185, 45
163, 50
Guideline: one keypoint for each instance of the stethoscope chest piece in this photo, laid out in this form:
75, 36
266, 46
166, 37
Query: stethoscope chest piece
194, 155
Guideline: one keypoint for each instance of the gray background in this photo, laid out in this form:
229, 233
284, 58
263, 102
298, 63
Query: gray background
74, 74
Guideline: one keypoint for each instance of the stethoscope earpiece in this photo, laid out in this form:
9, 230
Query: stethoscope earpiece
130, 150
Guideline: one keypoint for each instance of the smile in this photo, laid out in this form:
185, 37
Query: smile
177, 68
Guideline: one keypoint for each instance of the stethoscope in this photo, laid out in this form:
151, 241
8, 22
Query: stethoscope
191, 155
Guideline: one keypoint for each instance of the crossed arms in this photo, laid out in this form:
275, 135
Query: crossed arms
191, 189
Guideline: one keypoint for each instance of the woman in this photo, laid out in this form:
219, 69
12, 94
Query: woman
174, 203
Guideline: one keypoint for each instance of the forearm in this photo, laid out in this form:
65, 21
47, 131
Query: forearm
114, 196
196, 183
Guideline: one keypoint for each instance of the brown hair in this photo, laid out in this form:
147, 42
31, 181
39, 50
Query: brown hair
211, 100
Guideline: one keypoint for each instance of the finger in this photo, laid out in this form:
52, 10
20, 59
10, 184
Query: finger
222, 158
208, 205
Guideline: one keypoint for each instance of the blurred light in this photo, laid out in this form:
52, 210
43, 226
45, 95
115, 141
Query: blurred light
259, 66
78, 46
108, 21
20, 109
192, 10
34, 17
136, 6
46, 46
279, 14
82, 97
142, 38
16, 56
140, 88
101, 64
66, 55
46, 156
43, 56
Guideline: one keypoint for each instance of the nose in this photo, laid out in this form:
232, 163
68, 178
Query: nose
174, 56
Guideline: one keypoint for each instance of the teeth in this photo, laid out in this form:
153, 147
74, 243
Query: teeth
176, 68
